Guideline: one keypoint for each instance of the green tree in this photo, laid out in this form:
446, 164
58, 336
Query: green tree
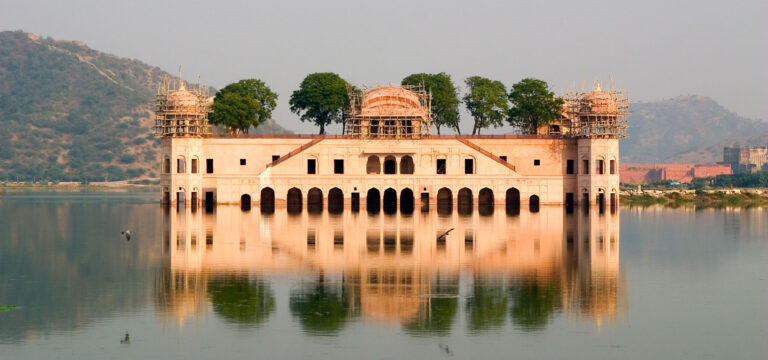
321, 98
486, 101
243, 104
445, 98
533, 105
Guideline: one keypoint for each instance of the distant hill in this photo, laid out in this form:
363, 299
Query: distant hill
68, 112
690, 129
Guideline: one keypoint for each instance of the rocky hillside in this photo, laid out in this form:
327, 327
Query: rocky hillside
691, 129
71, 113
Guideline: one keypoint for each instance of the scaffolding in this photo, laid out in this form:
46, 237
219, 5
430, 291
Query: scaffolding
389, 112
180, 112
596, 114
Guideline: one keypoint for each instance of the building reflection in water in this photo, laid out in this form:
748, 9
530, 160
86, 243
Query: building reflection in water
422, 270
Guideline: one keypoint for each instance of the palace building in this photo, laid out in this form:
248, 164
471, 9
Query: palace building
388, 156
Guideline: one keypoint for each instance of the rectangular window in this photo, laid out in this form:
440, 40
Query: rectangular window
180, 166
209, 166
585, 167
311, 166
441, 166
275, 157
469, 166
242, 162
613, 167
536, 162
194, 166
503, 157
338, 166
599, 167
569, 167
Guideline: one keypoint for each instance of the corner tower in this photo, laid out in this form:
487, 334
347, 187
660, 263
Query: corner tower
597, 120
181, 121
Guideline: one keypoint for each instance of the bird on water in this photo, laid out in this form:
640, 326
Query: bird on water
126, 234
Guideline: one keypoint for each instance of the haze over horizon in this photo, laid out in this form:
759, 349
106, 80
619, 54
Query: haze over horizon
652, 49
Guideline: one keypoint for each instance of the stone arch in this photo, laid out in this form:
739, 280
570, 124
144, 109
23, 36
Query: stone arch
373, 201
406, 165
512, 201
315, 200
181, 165
194, 166
267, 200
390, 201
294, 200
485, 201
444, 201
373, 166
407, 201
335, 201
245, 202
465, 201
533, 203
390, 165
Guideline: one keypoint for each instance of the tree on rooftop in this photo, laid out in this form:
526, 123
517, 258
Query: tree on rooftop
445, 99
321, 98
486, 101
533, 105
242, 105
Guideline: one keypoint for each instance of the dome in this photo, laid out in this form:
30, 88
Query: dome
392, 101
599, 101
183, 100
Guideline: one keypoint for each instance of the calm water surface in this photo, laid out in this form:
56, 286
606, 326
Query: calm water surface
639, 283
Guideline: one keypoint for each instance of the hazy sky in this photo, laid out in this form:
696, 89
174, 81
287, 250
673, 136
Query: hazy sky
653, 49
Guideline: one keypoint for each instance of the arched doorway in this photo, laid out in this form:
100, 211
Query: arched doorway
267, 202
335, 201
294, 201
444, 201
406, 165
390, 165
533, 203
512, 201
373, 201
601, 202
373, 166
390, 201
407, 202
485, 201
245, 202
315, 200
465, 201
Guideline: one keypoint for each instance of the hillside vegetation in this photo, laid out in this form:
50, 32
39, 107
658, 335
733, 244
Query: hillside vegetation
71, 113
690, 129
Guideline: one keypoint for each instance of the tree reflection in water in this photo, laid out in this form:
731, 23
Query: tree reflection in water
241, 300
487, 306
437, 314
534, 305
322, 308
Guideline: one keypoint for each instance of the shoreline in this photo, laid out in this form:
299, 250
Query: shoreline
117, 186
711, 198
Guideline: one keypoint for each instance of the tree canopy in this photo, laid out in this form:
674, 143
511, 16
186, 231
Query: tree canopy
486, 100
533, 105
321, 98
445, 98
243, 104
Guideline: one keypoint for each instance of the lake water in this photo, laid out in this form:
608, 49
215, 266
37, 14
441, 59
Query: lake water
651, 283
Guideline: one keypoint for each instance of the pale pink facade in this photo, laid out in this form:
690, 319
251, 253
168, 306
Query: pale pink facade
228, 168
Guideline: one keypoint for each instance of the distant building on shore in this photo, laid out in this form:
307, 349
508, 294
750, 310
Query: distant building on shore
683, 173
746, 158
